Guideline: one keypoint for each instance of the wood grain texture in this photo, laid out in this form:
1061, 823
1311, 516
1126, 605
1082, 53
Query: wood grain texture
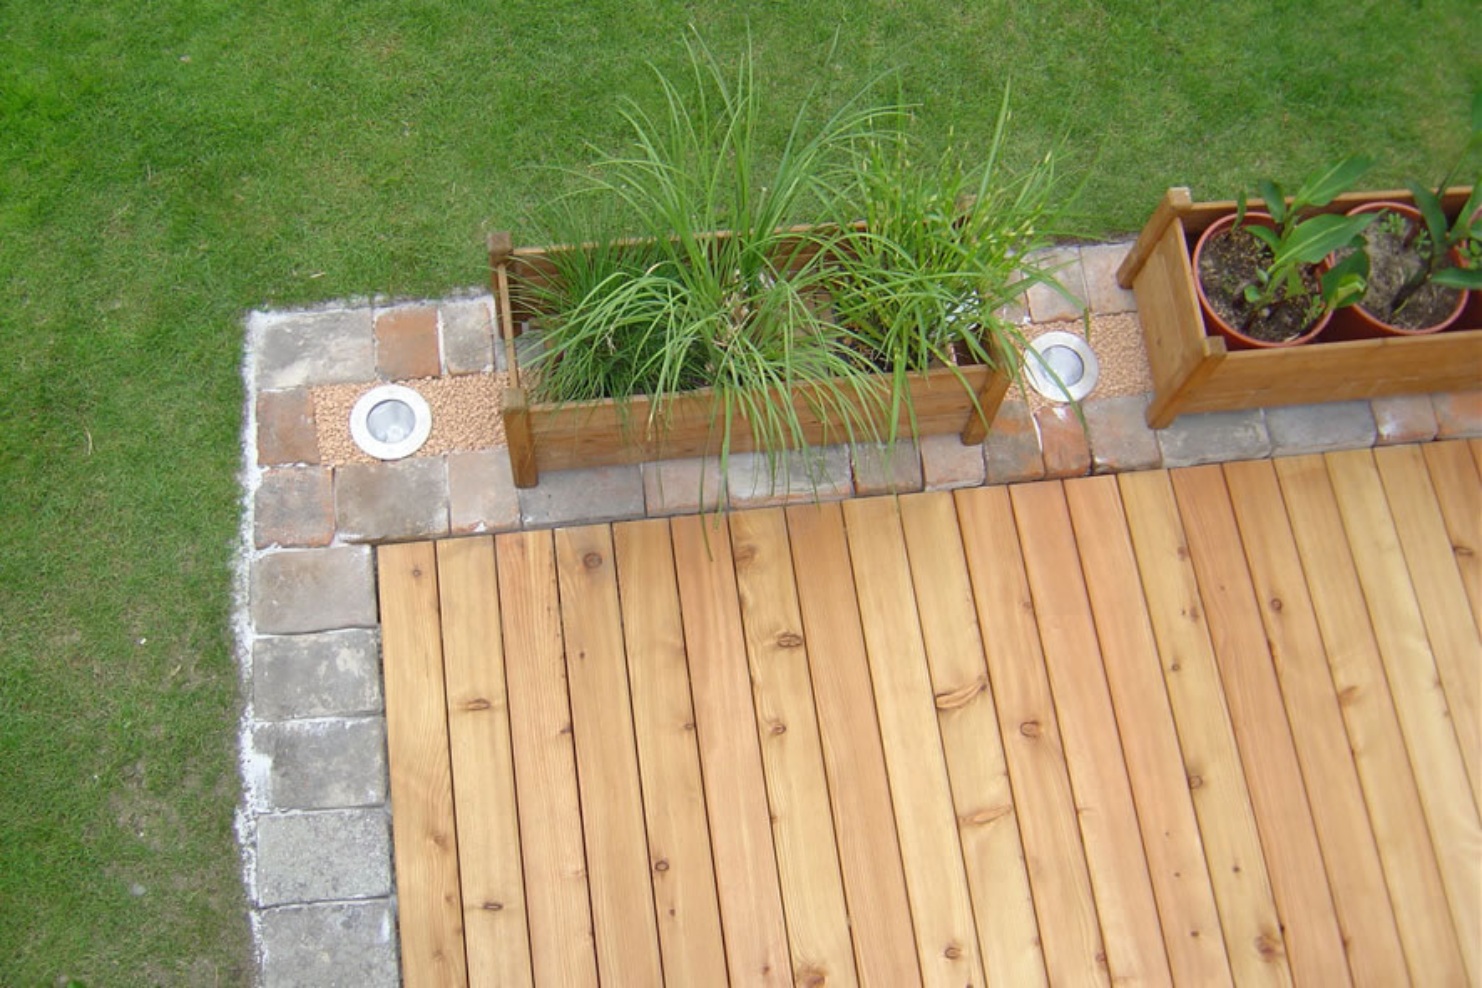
946, 937
1355, 876
792, 754
1455, 478
426, 847
987, 824
1069, 928
496, 935
669, 759
623, 920
1394, 807
1216, 779
864, 821
735, 789
1160, 787
562, 947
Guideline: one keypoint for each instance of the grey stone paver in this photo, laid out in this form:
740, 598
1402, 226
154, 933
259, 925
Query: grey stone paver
468, 336
481, 492
820, 474
334, 854
295, 507
947, 464
1048, 305
579, 497
308, 348
405, 499
1298, 429
1099, 263
887, 469
302, 590
687, 486
332, 945
1012, 448
322, 764
330, 674
1119, 435
1214, 437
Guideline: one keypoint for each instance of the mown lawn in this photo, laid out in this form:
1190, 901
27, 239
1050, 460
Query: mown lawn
166, 166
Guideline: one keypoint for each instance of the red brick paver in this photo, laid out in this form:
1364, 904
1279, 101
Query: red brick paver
1063, 441
286, 432
406, 343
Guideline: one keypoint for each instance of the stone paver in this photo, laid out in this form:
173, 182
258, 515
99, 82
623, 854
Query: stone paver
286, 432
884, 469
578, 497
329, 674
1458, 414
321, 764
309, 348
1120, 437
405, 499
1214, 437
468, 336
336, 854
947, 464
406, 343
820, 474
1012, 447
334, 945
481, 492
1099, 264
1298, 429
1403, 419
294, 506
674, 487
1048, 305
1063, 442
300, 590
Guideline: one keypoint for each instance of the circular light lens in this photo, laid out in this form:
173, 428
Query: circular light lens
390, 422
1061, 366
1066, 363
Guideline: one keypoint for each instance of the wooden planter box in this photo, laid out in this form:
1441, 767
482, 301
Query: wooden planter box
549, 436
1194, 372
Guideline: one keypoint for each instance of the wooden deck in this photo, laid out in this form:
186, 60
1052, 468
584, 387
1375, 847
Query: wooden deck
1207, 726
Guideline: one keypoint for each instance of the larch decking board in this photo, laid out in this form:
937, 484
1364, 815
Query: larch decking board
690, 939
946, 935
1232, 845
1394, 807
1475, 445
792, 755
1419, 698
1160, 787
987, 824
1069, 929
425, 836
864, 821
1440, 593
1454, 475
496, 938
1355, 877
1088, 729
562, 949
621, 891
730, 755
1272, 773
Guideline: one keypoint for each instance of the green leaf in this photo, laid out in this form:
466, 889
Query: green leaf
1265, 235
1275, 201
1240, 208
1465, 278
1312, 240
1323, 186
1345, 282
1462, 230
1429, 205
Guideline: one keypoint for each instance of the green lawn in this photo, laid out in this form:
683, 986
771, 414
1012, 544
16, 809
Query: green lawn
165, 166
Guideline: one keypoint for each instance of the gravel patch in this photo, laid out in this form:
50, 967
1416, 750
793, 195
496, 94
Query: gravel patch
465, 416
1117, 342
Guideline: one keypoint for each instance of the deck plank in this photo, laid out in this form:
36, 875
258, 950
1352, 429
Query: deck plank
1064, 905
1232, 845
690, 939
562, 948
1394, 807
946, 937
425, 838
1355, 876
1442, 596
987, 824
735, 788
1160, 787
496, 936
623, 920
1454, 475
792, 755
1419, 697
859, 792
1088, 728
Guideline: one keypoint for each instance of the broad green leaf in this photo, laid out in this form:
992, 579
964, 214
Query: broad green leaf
1312, 240
1430, 210
1463, 228
1323, 186
1345, 282
1265, 235
1467, 278
1240, 208
1275, 201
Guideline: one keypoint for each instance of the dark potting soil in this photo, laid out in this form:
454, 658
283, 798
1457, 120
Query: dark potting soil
1227, 264
1392, 259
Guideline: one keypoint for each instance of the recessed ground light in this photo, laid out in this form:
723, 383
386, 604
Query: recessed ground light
390, 422
1065, 369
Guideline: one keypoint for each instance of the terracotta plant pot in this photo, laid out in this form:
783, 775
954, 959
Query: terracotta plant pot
1355, 322
1236, 339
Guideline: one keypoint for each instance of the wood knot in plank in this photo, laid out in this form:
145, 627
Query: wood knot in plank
1349, 695
789, 639
1031, 729
661, 865
1196, 781
810, 976
1268, 945
1463, 550
962, 696
477, 703
776, 727
491, 907
987, 815
592, 560
743, 553
953, 951
416, 572
1275, 604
